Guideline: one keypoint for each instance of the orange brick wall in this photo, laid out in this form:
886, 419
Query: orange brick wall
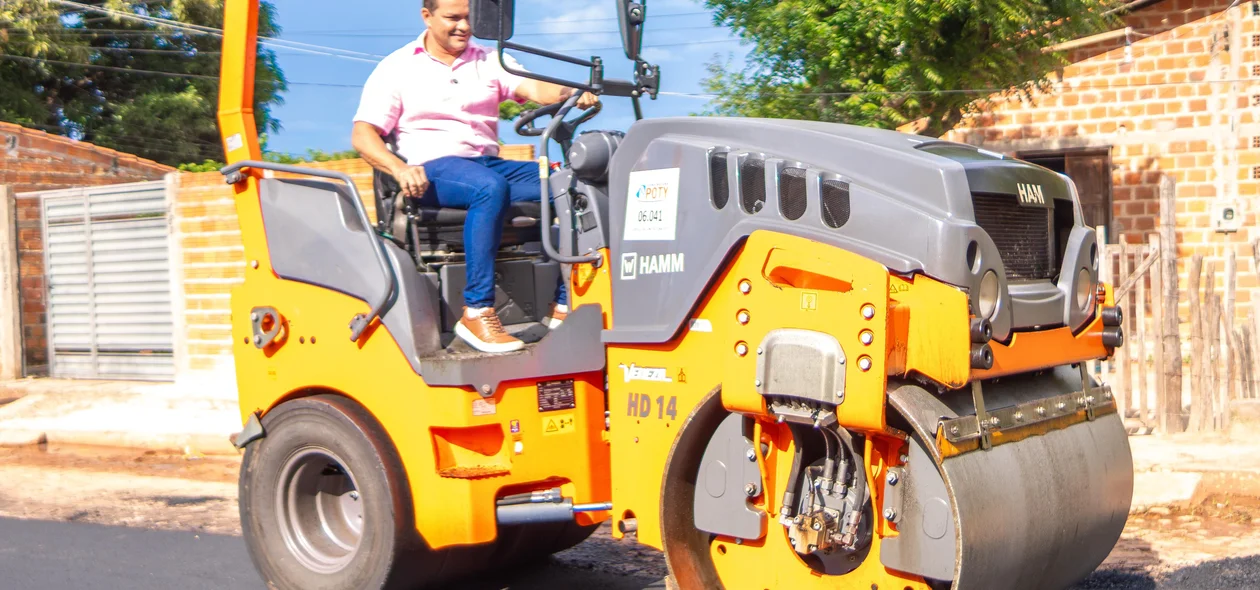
31, 161
1180, 102
209, 242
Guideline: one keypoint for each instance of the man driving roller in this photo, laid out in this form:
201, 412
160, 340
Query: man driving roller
440, 94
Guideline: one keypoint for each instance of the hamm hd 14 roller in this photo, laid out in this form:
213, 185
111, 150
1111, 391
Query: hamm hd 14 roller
800, 355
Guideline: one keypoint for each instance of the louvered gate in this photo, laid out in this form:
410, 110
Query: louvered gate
107, 263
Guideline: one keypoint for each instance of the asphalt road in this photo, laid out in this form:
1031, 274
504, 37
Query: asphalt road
50, 555
42, 555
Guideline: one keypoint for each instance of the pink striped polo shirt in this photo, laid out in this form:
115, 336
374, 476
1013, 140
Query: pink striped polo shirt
439, 110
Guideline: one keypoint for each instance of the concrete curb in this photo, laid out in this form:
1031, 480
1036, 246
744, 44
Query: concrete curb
189, 444
11, 437
1163, 488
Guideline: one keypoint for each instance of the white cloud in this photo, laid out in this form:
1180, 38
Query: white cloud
660, 55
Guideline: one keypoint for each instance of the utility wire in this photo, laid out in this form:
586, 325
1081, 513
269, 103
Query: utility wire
146, 72
294, 45
530, 34
568, 49
533, 22
110, 68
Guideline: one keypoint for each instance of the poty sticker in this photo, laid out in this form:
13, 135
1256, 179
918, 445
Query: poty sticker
235, 142
701, 325
652, 206
484, 407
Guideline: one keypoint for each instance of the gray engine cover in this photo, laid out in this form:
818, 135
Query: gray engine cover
911, 209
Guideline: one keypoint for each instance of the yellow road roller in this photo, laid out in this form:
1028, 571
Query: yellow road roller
798, 355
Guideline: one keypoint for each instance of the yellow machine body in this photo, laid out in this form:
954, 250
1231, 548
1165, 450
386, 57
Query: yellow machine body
463, 449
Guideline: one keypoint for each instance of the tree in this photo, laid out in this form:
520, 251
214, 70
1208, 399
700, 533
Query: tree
509, 110
140, 88
884, 63
279, 158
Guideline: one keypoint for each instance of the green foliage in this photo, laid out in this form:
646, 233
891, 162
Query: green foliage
278, 158
163, 117
884, 63
509, 110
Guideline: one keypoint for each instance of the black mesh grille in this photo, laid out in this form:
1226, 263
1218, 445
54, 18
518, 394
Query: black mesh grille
792, 193
720, 191
835, 203
752, 185
1021, 234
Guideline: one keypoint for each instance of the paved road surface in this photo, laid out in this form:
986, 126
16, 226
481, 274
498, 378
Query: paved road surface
46, 555
43, 555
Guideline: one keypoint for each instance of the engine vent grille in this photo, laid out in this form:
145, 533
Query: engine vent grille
835, 203
793, 196
719, 189
752, 185
1021, 234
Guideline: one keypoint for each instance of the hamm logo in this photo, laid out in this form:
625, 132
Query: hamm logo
652, 192
1031, 194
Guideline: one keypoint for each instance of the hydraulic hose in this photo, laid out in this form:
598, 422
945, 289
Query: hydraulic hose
794, 476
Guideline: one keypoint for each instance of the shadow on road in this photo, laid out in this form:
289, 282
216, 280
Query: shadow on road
1233, 572
1117, 579
549, 575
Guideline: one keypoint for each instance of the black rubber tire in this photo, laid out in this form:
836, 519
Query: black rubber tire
389, 555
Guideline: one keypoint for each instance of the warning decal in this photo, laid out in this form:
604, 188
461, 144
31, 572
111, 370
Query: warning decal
558, 424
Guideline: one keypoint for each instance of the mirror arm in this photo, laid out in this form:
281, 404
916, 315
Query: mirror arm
594, 87
597, 68
548, 54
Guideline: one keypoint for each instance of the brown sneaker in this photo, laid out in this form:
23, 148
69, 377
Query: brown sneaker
485, 332
557, 316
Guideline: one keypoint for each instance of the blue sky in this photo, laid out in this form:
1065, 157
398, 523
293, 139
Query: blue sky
680, 37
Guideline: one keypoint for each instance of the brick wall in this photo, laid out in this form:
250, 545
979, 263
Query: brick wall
36, 161
208, 237
1180, 101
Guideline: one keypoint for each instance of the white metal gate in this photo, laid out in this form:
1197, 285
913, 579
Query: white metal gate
107, 263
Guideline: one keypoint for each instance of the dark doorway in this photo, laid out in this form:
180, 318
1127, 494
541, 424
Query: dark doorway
1090, 169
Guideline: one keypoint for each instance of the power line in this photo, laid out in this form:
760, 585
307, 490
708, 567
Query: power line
184, 52
294, 45
152, 72
110, 68
531, 34
533, 22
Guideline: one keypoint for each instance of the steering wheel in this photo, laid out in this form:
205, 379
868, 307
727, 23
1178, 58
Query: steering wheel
525, 124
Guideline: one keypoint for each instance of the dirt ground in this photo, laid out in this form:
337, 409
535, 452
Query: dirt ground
1162, 547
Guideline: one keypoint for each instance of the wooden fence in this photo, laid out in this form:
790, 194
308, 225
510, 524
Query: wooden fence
1146, 372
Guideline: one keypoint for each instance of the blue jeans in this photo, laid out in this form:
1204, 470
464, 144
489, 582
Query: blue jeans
484, 185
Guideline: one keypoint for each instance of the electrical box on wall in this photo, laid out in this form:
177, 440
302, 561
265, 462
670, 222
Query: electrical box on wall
1227, 216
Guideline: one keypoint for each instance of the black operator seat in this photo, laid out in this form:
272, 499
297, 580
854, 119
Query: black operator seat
438, 228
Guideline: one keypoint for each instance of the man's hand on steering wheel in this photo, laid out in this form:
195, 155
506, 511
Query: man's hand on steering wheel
587, 100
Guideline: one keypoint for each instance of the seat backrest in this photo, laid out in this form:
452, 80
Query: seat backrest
387, 189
